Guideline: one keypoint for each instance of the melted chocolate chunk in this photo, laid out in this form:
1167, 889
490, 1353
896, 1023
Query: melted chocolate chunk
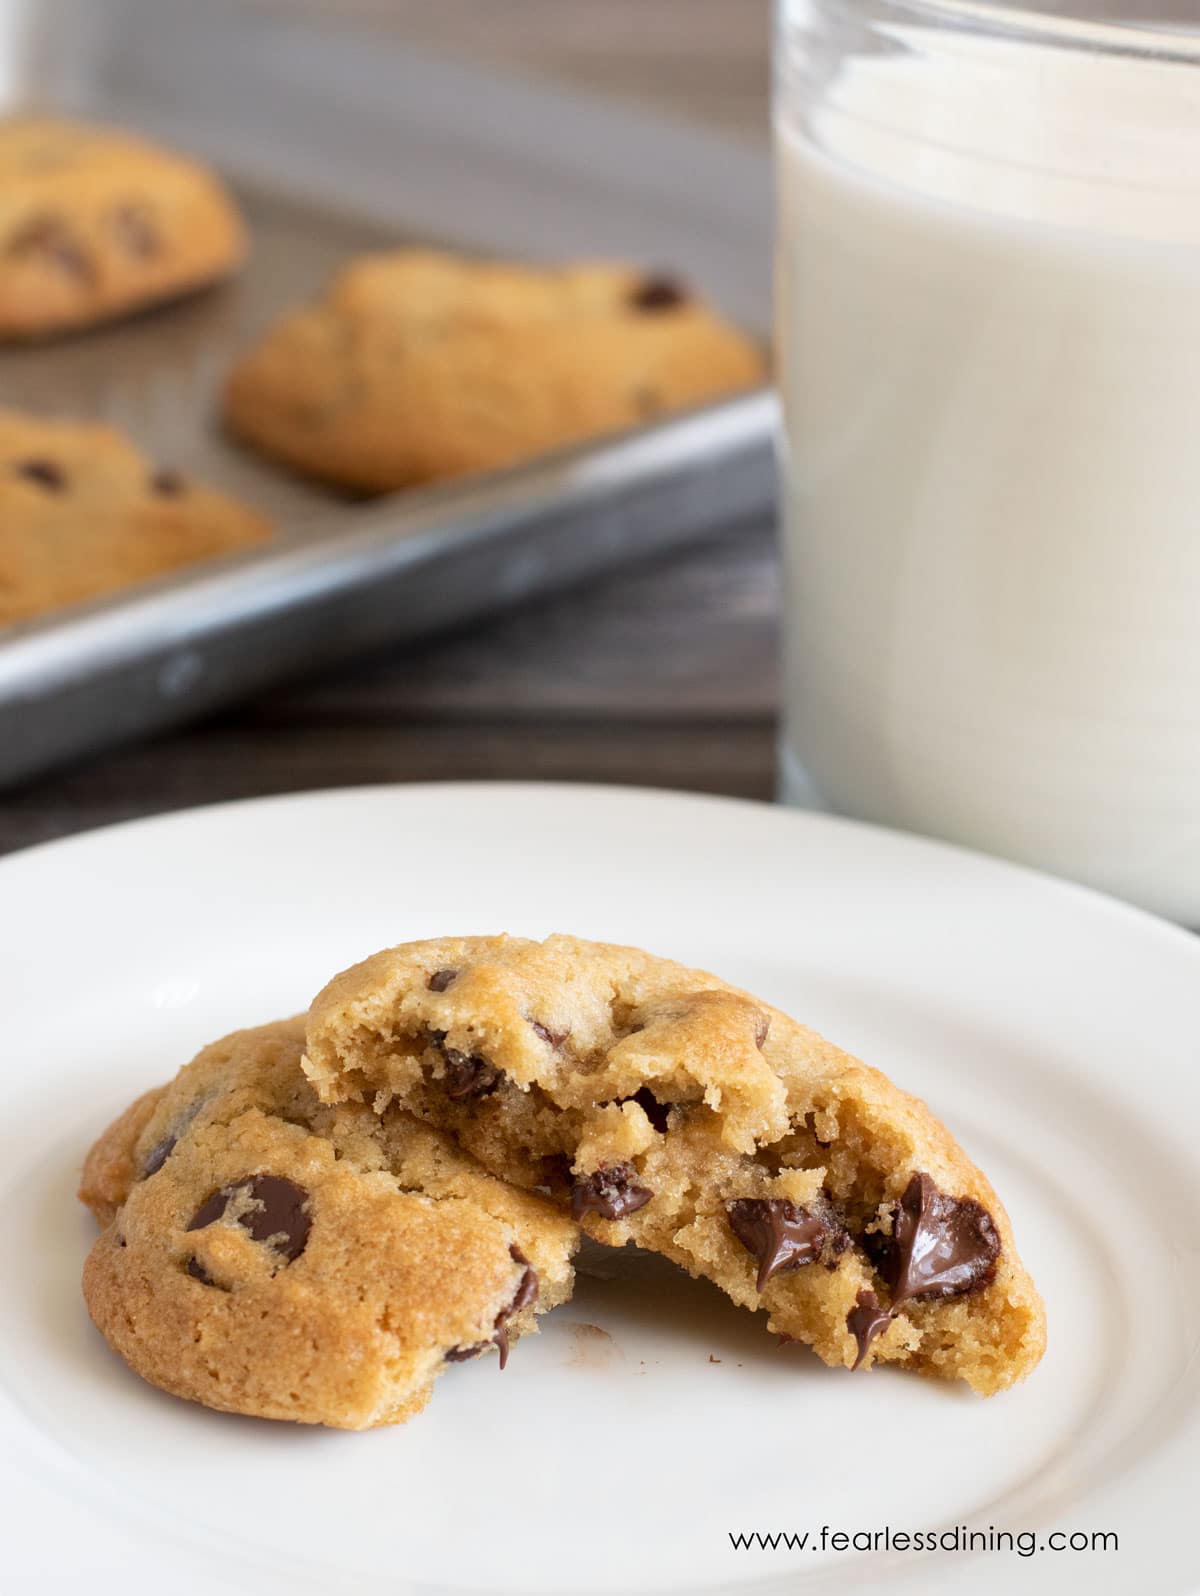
526, 1292
659, 292
654, 1111
780, 1234
133, 226
274, 1212
939, 1247
44, 472
527, 1286
461, 1354
500, 1339
865, 1322
48, 238
551, 1038
158, 1156
468, 1078
441, 979
167, 484
762, 1031
612, 1193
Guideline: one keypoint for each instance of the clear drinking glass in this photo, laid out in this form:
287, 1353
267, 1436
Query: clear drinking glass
989, 357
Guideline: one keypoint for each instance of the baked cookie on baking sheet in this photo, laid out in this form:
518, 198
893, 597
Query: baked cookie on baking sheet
418, 366
96, 223
82, 512
265, 1254
660, 1106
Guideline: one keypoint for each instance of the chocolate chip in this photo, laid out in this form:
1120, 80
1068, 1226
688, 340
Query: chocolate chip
501, 1340
939, 1247
654, 1111
659, 292
527, 1288
461, 1354
158, 1156
198, 1272
468, 1078
167, 484
441, 979
762, 1030
782, 1235
551, 1038
49, 238
273, 1211
135, 229
865, 1322
44, 472
611, 1193
526, 1292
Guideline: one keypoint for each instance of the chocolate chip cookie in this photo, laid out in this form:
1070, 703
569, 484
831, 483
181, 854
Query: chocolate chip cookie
95, 223
658, 1105
82, 513
268, 1255
418, 366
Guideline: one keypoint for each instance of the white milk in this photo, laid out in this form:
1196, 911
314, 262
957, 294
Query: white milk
990, 360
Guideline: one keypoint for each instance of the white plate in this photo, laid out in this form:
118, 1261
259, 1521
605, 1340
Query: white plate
1055, 1031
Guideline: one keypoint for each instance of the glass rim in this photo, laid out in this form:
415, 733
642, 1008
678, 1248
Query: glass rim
1164, 40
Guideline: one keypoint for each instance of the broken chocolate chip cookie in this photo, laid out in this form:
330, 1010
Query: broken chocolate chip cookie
661, 1106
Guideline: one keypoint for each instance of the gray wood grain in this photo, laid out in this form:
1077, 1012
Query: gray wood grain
664, 675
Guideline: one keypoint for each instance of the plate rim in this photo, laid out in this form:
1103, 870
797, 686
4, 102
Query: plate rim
1179, 936
1077, 899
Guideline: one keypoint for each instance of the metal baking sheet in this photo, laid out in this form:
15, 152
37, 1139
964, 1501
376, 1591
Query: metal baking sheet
336, 142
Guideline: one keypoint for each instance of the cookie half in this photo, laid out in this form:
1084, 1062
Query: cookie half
659, 1105
96, 223
267, 1255
418, 366
83, 513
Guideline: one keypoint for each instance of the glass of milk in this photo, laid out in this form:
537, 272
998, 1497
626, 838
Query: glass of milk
989, 357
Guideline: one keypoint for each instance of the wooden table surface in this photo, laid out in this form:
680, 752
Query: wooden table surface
664, 675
